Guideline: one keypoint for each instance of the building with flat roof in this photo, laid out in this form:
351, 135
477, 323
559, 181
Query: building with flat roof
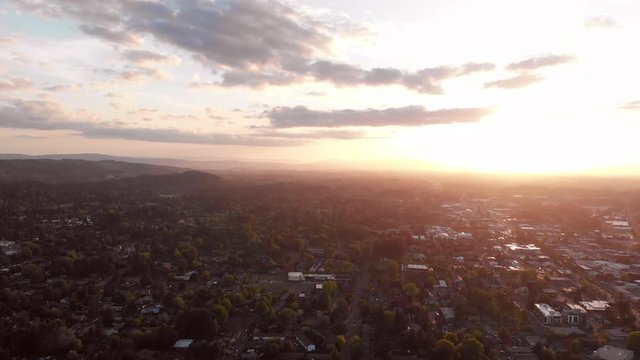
183, 343
595, 305
547, 314
611, 353
574, 314
295, 276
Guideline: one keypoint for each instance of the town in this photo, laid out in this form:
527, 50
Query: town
319, 267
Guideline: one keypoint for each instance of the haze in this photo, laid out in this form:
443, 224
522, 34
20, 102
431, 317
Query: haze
492, 86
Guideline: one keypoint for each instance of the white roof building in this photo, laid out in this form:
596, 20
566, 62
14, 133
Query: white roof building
295, 276
595, 305
183, 343
611, 353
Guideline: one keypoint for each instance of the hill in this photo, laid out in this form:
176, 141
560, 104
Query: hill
70, 170
185, 182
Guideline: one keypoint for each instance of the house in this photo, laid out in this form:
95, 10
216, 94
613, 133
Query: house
611, 353
155, 309
188, 276
519, 353
574, 314
183, 344
295, 276
441, 288
419, 268
304, 341
595, 305
547, 314
269, 336
449, 314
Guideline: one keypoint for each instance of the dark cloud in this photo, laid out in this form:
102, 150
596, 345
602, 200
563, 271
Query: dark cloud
7, 84
257, 79
540, 61
145, 57
427, 80
236, 33
632, 105
47, 115
603, 22
246, 43
114, 35
514, 82
300, 116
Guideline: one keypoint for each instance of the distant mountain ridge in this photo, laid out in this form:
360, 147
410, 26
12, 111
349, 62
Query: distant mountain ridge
217, 164
73, 170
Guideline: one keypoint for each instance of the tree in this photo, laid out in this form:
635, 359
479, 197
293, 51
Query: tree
33, 272
470, 348
330, 287
443, 349
187, 252
287, 316
356, 347
60, 339
633, 341
221, 313
410, 290
262, 308
198, 323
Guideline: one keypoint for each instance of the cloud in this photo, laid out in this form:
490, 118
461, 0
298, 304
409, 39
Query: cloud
540, 61
514, 82
145, 57
602, 22
134, 74
245, 43
7, 41
117, 36
65, 87
47, 115
29, 137
300, 116
632, 105
325, 134
427, 80
9, 84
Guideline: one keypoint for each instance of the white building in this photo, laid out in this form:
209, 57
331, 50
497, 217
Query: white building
548, 315
611, 353
295, 276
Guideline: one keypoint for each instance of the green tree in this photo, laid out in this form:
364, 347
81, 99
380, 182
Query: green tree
187, 252
330, 287
410, 290
356, 347
287, 316
633, 341
443, 349
470, 348
33, 272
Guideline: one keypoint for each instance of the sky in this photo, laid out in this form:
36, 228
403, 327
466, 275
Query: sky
490, 86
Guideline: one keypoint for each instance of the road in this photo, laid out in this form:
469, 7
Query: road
353, 319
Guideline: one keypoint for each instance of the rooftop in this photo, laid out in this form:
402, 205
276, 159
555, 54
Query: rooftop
547, 310
612, 353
